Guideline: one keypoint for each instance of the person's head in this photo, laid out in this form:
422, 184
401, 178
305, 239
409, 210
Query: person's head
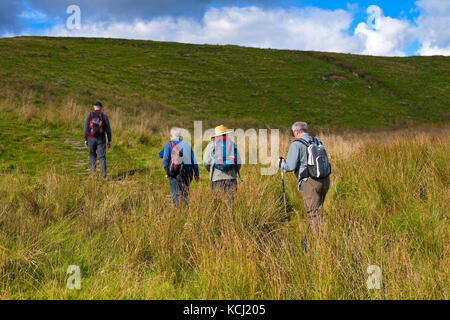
220, 131
299, 129
175, 133
98, 106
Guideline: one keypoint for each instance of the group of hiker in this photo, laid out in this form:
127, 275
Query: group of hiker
221, 159
306, 158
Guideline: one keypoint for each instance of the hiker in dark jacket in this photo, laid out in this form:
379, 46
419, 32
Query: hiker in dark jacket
96, 128
179, 185
314, 190
222, 181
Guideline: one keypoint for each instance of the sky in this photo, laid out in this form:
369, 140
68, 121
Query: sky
371, 27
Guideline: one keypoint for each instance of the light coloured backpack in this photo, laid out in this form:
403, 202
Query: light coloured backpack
318, 164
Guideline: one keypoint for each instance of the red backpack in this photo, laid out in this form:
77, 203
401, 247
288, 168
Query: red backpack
176, 161
96, 124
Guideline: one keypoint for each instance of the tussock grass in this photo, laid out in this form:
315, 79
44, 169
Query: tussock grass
388, 206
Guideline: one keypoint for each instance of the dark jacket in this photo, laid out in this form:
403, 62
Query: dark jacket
86, 132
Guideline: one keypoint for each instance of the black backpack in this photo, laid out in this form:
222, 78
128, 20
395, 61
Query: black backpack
96, 124
176, 162
318, 164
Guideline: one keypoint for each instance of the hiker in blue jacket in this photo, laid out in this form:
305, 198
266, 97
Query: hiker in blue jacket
179, 185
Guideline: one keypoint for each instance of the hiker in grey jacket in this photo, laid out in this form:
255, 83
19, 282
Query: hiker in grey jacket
96, 128
222, 180
314, 190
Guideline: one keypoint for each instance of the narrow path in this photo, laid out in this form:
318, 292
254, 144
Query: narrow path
81, 157
80, 160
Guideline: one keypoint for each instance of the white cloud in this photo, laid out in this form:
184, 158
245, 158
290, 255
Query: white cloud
33, 15
433, 27
382, 35
428, 50
307, 28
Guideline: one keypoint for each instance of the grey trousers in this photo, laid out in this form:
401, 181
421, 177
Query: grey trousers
314, 192
97, 148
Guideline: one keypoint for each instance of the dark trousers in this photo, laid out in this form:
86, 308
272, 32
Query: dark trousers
180, 190
314, 192
225, 188
97, 148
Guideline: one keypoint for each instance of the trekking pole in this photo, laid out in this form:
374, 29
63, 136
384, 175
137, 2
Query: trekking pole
284, 190
284, 199
240, 179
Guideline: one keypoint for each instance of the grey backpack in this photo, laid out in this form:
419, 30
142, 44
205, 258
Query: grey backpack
318, 164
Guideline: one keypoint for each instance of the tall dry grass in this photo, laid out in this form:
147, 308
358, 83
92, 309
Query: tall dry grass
388, 206
142, 120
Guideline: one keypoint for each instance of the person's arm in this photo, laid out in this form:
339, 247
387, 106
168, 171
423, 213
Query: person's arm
207, 157
86, 126
194, 163
166, 156
108, 128
161, 153
291, 162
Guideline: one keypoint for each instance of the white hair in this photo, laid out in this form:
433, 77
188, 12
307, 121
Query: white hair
300, 127
175, 133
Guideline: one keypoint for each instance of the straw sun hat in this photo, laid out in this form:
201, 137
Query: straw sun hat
220, 131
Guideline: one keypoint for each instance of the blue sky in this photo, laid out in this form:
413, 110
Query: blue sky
399, 28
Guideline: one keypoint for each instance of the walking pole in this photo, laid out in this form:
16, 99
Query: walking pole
284, 190
284, 200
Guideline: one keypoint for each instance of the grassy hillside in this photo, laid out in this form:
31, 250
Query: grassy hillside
388, 203
245, 85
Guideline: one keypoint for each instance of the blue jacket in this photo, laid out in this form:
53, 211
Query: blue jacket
190, 165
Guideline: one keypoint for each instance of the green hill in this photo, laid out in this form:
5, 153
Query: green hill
242, 85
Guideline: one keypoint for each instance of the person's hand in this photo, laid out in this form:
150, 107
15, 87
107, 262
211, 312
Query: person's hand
167, 177
197, 178
280, 160
109, 144
86, 143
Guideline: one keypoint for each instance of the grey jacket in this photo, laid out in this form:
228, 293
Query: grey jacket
297, 159
214, 173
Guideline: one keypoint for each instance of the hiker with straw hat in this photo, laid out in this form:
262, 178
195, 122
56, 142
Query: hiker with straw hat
221, 158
